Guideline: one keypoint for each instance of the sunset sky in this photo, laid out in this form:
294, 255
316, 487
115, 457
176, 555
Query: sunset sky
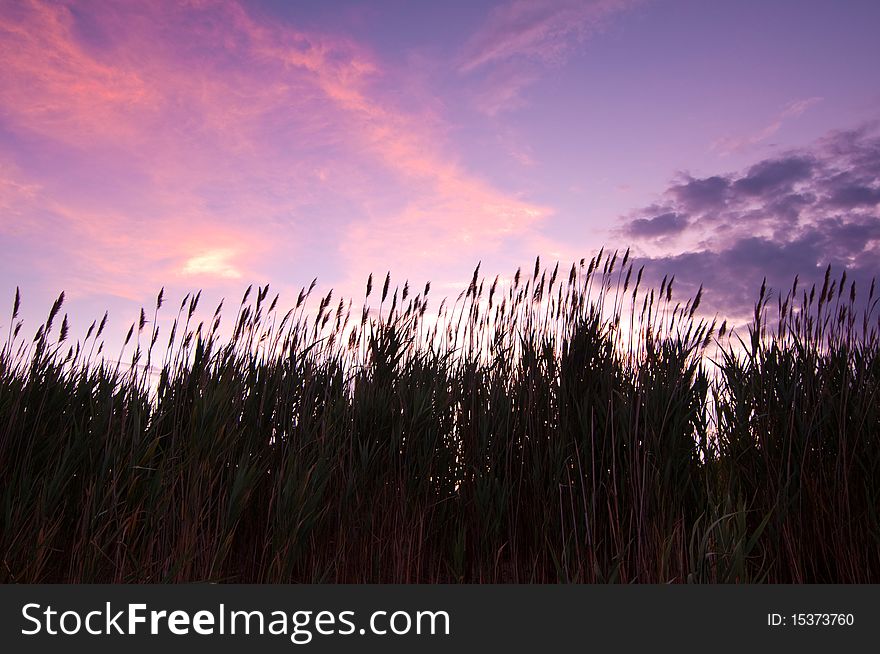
210, 145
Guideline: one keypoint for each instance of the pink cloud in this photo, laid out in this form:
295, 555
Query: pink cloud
208, 136
52, 85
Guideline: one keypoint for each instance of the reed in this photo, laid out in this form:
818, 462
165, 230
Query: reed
573, 427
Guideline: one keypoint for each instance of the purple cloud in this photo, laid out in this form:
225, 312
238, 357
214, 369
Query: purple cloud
665, 223
702, 194
849, 197
774, 175
784, 216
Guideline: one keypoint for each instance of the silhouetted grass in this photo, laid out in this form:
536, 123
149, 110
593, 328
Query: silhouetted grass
563, 427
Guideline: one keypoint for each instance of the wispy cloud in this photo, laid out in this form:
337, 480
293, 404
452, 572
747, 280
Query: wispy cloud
502, 90
521, 37
539, 30
730, 145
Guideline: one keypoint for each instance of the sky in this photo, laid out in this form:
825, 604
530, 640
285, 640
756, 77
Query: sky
214, 144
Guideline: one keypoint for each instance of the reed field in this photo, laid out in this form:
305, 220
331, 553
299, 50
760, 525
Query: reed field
560, 426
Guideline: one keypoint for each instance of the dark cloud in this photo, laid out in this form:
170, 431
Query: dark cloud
732, 276
701, 194
849, 197
855, 150
783, 217
662, 225
774, 175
